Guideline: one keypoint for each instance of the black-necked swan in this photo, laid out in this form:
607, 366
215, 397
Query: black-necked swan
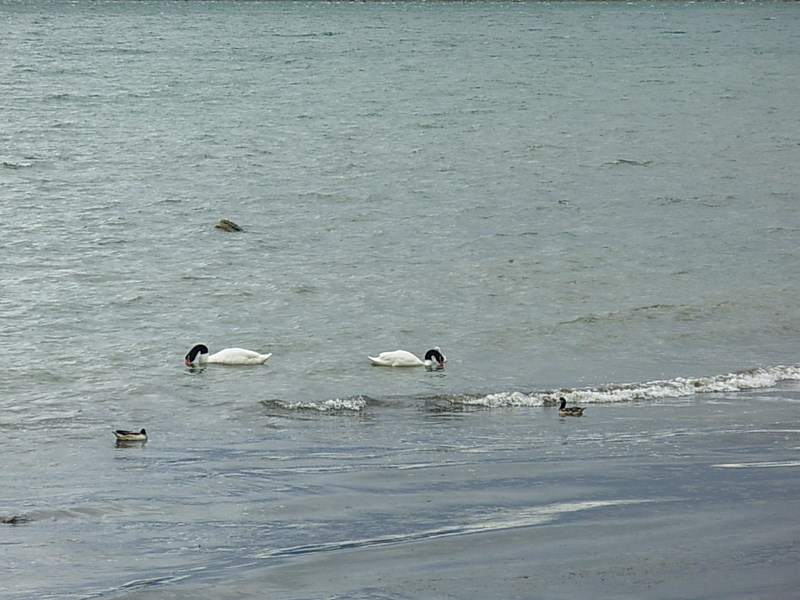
228, 356
403, 358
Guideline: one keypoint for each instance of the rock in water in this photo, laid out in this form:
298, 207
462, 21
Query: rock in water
228, 225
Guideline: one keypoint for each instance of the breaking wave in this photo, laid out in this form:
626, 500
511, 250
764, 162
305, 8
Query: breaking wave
353, 403
751, 379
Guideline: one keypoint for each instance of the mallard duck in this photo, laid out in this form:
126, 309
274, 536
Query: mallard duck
572, 411
228, 356
123, 435
403, 358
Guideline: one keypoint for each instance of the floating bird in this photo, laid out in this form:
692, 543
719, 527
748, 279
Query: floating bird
572, 411
227, 225
402, 358
228, 356
123, 435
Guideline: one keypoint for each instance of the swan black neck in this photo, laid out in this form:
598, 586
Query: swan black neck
198, 349
434, 354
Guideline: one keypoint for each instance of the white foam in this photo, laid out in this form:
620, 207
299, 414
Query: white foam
759, 465
497, 520
355, 403
680, 387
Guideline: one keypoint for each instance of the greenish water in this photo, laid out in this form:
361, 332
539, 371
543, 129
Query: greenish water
595, 200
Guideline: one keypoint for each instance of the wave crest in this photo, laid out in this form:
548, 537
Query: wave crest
680, 387
752, 379
352, 403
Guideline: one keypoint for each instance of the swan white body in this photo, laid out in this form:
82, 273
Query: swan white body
237, 356
228, 356
403, 358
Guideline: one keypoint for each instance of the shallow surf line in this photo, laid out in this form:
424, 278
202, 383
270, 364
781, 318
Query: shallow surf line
530, 517
141, 584
759, 465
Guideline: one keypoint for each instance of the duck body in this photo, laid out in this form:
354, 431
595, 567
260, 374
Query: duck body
403, 358
228, 356
123, 435
569, 411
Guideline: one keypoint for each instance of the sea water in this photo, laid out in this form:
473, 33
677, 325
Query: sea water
578, 199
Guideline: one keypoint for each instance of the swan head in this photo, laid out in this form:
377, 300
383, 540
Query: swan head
562, 403
435, 356
198, 350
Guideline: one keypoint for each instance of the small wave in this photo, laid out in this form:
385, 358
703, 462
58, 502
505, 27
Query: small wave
60, 514
312, 34
627, 162
499, 520
759, 465
504, 399
15, 165
752, 379
351, 404
680, 387
139, 584
677, 312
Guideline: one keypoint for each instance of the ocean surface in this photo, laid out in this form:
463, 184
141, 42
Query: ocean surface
594, 200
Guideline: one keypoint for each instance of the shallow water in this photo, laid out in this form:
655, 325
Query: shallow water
594, 201
688, 498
